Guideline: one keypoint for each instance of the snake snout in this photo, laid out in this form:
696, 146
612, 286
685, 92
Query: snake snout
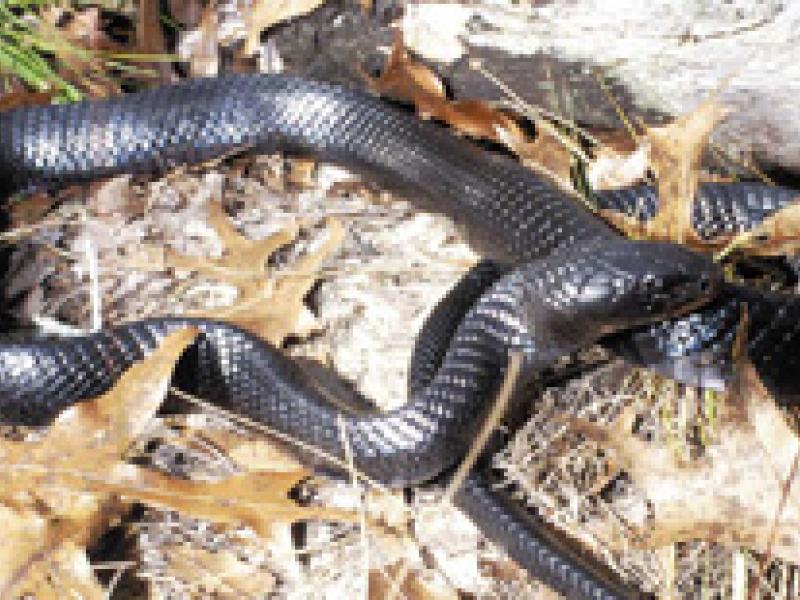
687, 279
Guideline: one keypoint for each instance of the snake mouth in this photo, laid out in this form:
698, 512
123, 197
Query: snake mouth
699, 293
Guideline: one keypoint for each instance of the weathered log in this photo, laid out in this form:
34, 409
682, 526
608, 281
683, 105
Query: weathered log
658, 59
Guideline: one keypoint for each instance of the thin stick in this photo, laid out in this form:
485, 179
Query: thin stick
490, 423
492, 420
250, 423
362, 513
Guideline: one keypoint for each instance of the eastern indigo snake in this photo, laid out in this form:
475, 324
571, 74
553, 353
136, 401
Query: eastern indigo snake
574, 281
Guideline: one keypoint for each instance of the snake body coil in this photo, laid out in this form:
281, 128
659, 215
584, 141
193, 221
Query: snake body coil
582, 282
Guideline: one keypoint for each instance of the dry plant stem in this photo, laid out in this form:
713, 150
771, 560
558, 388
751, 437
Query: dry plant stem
492, 420
490, 423
767, 557
632, 132
274, 433
362, 513
729, 496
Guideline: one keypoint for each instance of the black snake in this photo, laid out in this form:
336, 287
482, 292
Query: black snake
578, 281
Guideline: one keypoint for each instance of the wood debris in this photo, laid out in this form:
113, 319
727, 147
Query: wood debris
716, 498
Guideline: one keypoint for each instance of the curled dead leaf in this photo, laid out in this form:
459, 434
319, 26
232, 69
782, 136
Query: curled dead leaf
405, 79
675, 151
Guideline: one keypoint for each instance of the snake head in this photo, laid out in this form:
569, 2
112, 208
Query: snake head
636, 282
574, 297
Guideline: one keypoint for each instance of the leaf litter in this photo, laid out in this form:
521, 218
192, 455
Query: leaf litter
474, 120
61, 490
672, 152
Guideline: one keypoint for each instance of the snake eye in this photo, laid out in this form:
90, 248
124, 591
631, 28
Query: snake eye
657, 307
648, 283
704, 284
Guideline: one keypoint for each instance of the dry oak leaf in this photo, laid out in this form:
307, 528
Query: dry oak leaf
272, 308
60, 492
45, 486
266, 13
674, 151
411, 81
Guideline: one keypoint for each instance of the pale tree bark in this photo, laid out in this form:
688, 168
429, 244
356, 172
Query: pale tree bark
658, 59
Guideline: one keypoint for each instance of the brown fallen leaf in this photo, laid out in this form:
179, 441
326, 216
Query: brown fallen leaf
59, 493
407, 80
19, 98
255, 499
91, 435
36, 562
266, 13
411, 81
674, 152
271, 308
199, 46
300, 172
30, 210
413, 586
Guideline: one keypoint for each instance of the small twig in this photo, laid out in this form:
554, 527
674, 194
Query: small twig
490, 423
767, 557
252, 424
617, 107
94, 284
362, 514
